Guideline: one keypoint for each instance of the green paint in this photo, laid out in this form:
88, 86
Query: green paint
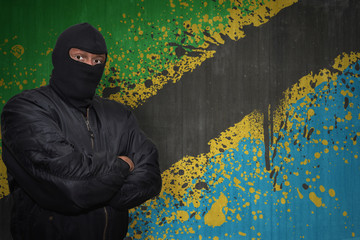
142, 36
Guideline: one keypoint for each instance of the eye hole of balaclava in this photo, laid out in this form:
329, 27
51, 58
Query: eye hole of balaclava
75, 81
86, 57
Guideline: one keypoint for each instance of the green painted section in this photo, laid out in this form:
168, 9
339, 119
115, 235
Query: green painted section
142, 36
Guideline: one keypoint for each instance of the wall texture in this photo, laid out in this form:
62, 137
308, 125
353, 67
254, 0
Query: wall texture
254, 105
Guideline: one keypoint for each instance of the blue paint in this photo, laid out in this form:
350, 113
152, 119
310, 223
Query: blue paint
303, 220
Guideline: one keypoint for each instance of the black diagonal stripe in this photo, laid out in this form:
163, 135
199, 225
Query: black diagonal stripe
248, 74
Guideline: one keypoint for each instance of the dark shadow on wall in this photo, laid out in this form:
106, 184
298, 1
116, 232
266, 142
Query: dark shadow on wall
248, 74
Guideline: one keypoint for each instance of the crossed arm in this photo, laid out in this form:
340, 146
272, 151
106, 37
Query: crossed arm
128, 161
60, 176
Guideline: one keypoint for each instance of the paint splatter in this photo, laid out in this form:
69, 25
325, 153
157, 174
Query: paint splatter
181, 49
216, 216
315, 199
17, 50
234, 170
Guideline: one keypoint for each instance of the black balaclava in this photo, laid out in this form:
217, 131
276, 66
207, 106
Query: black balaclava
75, 81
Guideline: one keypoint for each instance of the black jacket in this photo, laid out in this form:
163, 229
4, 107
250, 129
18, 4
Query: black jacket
64, 174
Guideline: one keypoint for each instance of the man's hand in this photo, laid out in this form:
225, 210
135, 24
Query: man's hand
128, 161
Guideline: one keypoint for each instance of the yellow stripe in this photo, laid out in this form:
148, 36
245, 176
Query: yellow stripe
140, 93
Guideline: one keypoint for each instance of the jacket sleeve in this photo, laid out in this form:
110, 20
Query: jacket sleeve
144, 182
53, 171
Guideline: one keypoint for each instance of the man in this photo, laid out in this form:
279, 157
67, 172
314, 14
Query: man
76, 162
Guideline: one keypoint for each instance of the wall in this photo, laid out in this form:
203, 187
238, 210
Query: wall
254, 106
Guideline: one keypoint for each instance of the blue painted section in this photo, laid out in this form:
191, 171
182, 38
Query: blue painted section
332, 173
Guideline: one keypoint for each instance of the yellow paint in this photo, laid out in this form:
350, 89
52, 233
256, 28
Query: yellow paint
298, 91
257, 197
48, 51
237, 184
348, 116
234, 30
250, 127
215, 217
140, 93
332, 192
310, 113
347, 92
172, 4
285, 194
322, 189
344, 60
242, 234
133, 223
3, 181
17, 50
344, 213
287, 148
260, 16
182, 216
277, 187
188, 165
315, 199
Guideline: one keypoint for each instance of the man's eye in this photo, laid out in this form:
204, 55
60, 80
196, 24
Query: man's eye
97, 61
78, 57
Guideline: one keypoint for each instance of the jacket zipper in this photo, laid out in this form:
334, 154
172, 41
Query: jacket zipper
87, 122
92, 137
